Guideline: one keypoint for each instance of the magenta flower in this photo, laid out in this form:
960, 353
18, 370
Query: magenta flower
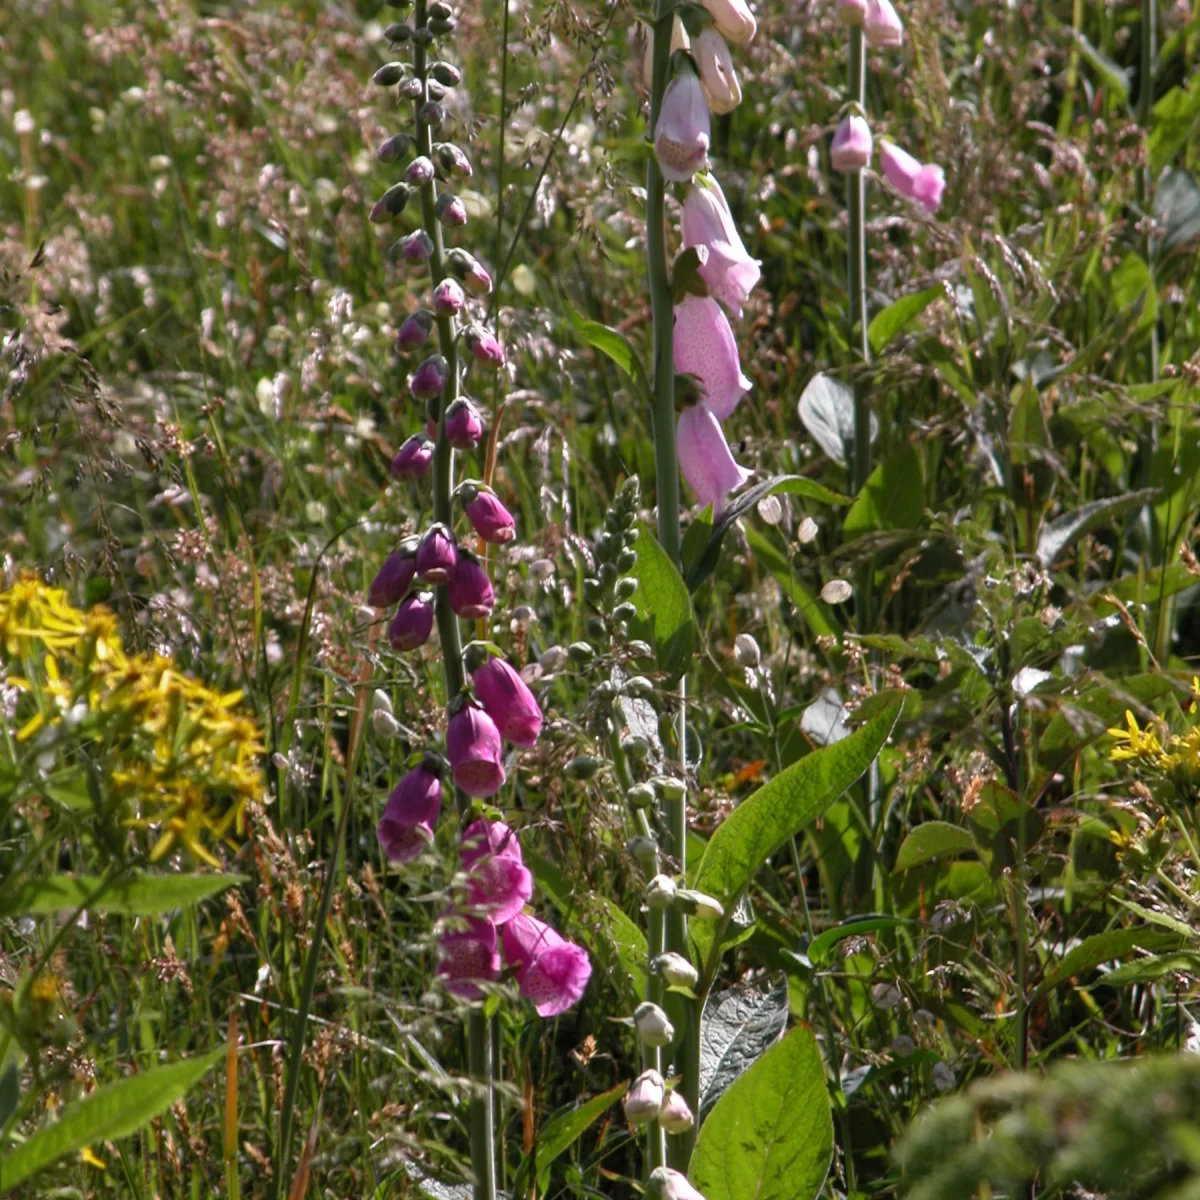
551, 971
852, 145
413, 622
448, 298
415, 248
451, 210
475, 752
436, 555
469, 588
392, 582
406, 827
499, 884
705, 458
731, 274
464, 425
415, 331
490, 519
717, 76
705, 348
484, 347
429, 378
733, 19
476, 277
882, 26
453, 160
467, 954
681, 137
922, 182
508, 701
414, 458
419, 171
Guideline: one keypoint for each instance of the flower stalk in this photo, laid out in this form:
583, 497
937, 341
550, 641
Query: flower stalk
856, 189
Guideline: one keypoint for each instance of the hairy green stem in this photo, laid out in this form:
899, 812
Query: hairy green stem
481, 1111
856, 189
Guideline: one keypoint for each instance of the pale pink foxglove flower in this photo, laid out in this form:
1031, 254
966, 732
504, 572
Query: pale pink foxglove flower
882, 26
729, 271
717, 76
681, 137
644, 1099
733, 19
705, 458
551, 971
499, 884
679, 41
852, 145
922, 182
676, 1116
705, 347
467, 956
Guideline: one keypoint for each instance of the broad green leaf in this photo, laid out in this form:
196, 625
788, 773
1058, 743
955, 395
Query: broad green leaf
933, 839
1065, 530
1160, 918
662, 598
827, 410
892, 498
110, 1112
1176, 211
821, 947
1145, 970
611, 343
770, 1136
814, 611
143, 895
899, 315
1175, 116
1102, 948
695, 542
1132, 285
738, 1025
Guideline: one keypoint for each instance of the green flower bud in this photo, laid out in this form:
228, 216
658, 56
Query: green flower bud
643, 849
388, 75
411, 89
669, 788
624, 612
440, 28
698, 905
641, 795
626, 587
626, 560
635, 746
675, 970
400, 31
638, 687
446, 74
596, 628
580, 653
582, 766
395, 148
593, 593
661, 892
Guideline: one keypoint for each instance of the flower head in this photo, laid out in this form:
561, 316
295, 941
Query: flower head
415, 331
437, 554
413, 622
733, 19
475, 752
717, 75
676, 1115
922, 182
499, 884
508, 700
729, 271
681, 136
393, 578
882, 26
430, 377
705, 458
414, 458
406, 827
669, 1184
644, 1100
448, 298
464, 425
551, 971
490, 519
705, 348
484, 346
469, 589
467, 955
852, 145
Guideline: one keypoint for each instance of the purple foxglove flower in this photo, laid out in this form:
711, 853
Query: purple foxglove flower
392, 582
551, 971
413, 622
705, 348
717, 76
681, 137
475, 753
705, 458
414, 458
852, 145
453, 161
508, 701
448, 298
669, 1184
406, 827
415, 331
731, 274
467, 956
420, 171
499, 884
414, 248
464, 425
490, 519
882, 26
430, 377
923, 183
484, 347
733, 19
436, 554
469, 589
676, 1116
644, 1100
451, 210
852, 12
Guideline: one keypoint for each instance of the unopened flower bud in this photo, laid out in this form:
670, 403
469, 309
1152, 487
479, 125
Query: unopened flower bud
415, 331
448, 298
698, 905
661, 892
437, 553
852, 145
381, 702
626, 587
391, 583
395, 148
581, 653
412, 89
440, 27
626, 560
414, 458
439, 10
669, 1184
807, 532
641, 795
423, 36
635, 746
582, 766
419, 171
469, 590
451, 210
490, 519
675, 970
446, 74
669, 788
644, 1100
398, 32
638, 687
882, 26
390, 204
464, 425
453, 161
432, 114
852, 12
484, 347
384, 724
553, 659
413, 622
746, 651
429, 379
653, 1026
414, 248
596, 629
676, 1116
388, 75
434, 89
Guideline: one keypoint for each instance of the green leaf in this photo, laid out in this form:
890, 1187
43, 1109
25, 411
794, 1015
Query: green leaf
899, 315
561, 1132
892, 498
827, 410
814, 611
770, 1137
821, 947
1065, 530
779, 810
738, 1025
1175, 116
933, 839
702, 566
1176, 211
144, 895
1101, 948
611, 343
1145, 970
662, 599
111, 1112
1113, 75
1132, 285
695, 542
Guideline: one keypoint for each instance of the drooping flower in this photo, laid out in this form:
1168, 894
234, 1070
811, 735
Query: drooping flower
717, 75
469, 589
437, 555
449, 298
393, 578
676, 1115
852, 145
415, 331
675, 970
644, 1100
499, 884
733, 19
467, 955
922, 182
429, 378
705, 458
653, 1026
490, 519
451, 210
882, 26
668, 1184
415, 248
508, 701
475, 752
406, 827
681, 137
551, 971
464, 425
413, 622
729, 271
852, 12
484, 346
414, 458
705, 348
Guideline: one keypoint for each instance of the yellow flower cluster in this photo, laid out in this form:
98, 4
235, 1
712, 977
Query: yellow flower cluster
175, 755
1178, 754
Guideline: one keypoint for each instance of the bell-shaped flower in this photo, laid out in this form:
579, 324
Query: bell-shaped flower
852, 145
490, 519
464, 425
882, 26
551, 971
717, 75
467, 955
429, 378
469, 589
729, 271
436, 554
499, 884
705, 458
705, 348
393, 579
414, 458
475, 752
676, 1115
733, 19
406, 827
415, 331
681, 137
413, 622
644, 1100
653, 1026
484, 346
508, 701
448, 298
922, 182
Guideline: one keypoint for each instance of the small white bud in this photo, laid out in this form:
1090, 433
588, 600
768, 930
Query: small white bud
807, 532
661, 892
653, 1026
553, 659
644, 1100
675, 970
746, 651
384, 723
676, 1117
381, 702
700, 906
836, 591
943, 1077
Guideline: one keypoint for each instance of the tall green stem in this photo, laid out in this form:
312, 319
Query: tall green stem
856, 204
481, 1112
